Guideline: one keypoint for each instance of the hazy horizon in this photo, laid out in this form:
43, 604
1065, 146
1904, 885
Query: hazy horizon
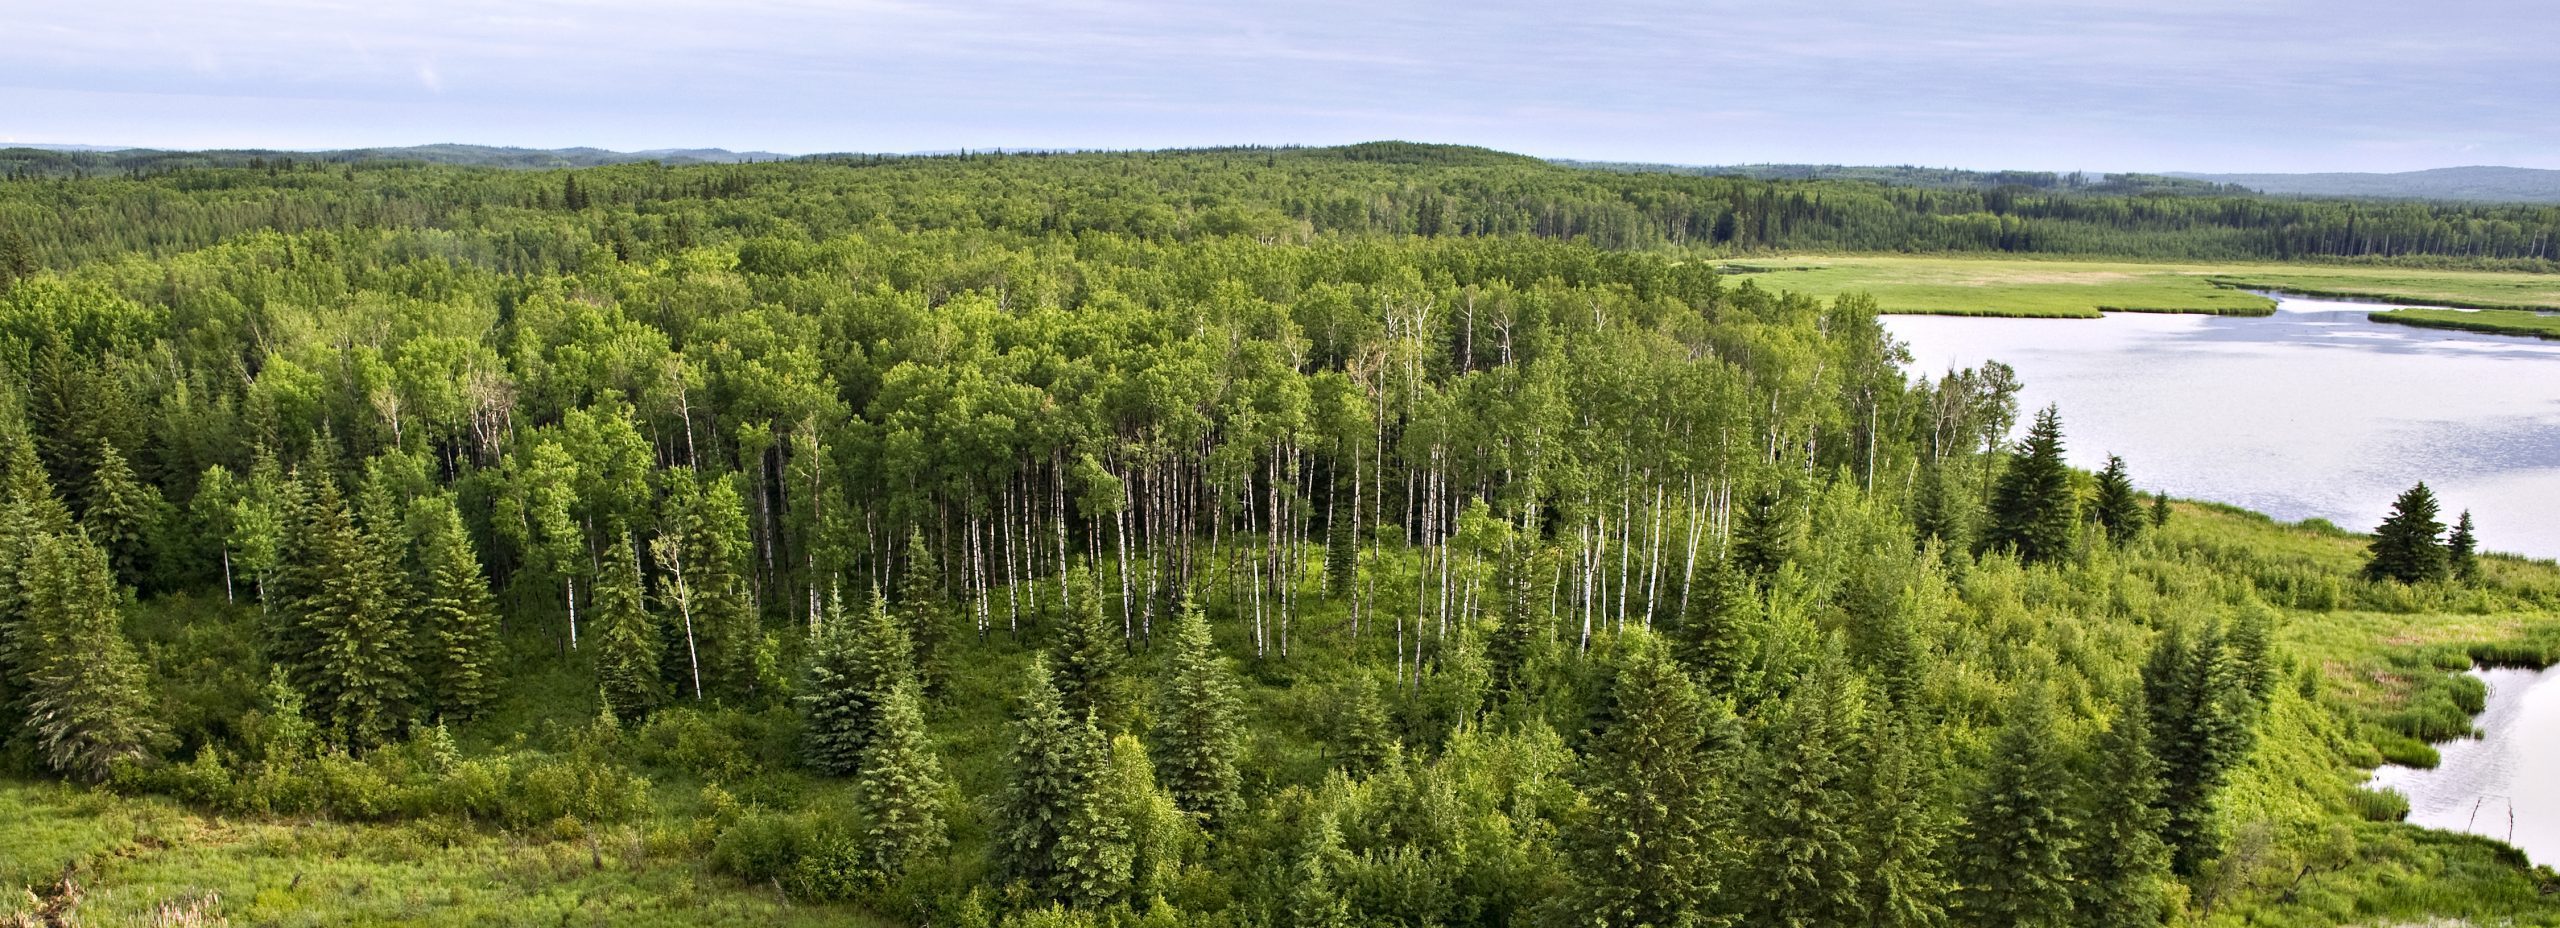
2110, 86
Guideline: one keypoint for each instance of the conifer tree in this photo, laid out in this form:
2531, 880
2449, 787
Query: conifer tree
2462, 550
121, 513
1646, 848
1902, 828
2033, 510
2405, 547
1941, 509
1198, 724
1801, 804
2117, 508
1051, 834
920, 605
1089, 652
2159, 509
2199, 693
856, 664
341, 639
1314, 901
625, 636
29, 514
900, 790
1719, 638
1367, 743
1766, 538
2121, 867
2013, 866
88, 704
457, 620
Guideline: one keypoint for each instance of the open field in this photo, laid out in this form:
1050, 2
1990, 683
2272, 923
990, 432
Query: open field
2494, 321
1967, 286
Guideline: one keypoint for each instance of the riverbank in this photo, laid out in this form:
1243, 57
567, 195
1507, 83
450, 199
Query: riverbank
2066, 289
2493, 321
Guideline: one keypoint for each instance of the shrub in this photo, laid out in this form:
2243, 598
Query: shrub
2379, 805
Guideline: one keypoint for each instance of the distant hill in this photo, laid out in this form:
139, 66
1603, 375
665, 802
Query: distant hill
1937, 178
55, 160
2513, 185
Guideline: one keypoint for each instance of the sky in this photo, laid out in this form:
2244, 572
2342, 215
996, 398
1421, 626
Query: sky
2149, 85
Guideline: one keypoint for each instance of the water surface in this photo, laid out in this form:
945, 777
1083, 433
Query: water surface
2311, 412
2504, 784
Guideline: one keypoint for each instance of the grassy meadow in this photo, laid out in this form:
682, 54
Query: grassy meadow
2030, 287
2493, 321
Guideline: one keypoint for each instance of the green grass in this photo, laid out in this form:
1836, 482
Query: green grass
131, 856
2003, 286
2494, 321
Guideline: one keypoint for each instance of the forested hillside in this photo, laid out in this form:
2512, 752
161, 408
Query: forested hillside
530, 221
1375, 536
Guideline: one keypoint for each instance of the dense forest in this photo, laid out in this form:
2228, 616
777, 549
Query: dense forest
1382, 536
526, 222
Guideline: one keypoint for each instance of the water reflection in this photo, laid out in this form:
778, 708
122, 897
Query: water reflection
2312, 412
2504, 784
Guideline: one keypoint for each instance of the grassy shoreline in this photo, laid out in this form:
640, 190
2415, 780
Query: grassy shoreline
2087, 289
2524, 323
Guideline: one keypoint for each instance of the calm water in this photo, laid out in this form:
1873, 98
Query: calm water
2502, 784
2313, 411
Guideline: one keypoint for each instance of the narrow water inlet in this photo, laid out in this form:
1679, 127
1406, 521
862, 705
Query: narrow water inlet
2504, 784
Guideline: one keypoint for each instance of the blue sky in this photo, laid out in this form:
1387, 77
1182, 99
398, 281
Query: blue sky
2278, 85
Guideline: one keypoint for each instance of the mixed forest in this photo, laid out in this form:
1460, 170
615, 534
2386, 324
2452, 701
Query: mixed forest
1391, 535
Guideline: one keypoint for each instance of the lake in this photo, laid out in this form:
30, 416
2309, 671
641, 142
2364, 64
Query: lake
2311, 412
2498, 785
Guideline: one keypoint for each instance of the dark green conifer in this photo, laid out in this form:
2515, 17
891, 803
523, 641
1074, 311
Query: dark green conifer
1198, 724
1645, 850
2013, 866
1089, 652
121, 513
2198, 690
2159, 509
457, 619
2117, 508
1521, 629
2405, 547
1050, 834
626, 636
88, 703
1800, 809
855, 664
341, 639
1314, 900
1942, 509
921, 607
2462, 550
1766, 538
1902, 828
900, 790
2034, 512
1719, 638
2121, 867
1364, 739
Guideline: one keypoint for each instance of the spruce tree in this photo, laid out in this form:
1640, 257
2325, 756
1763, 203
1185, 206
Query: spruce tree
1766, 538
2462, 550
2198, 691
341, 639
1521, 629
2013, 866
121, 513
1197, 723
1801, 805
2033, 510
29, 513
921, 608
1088, 653
2121, 867
1051, 834
900, 790
1942, 510
856, 663
1365, 740
2159, 509
625, 636
1314, 900
2117, 508
457, 619
1646, 847
2405, 547
704, 530
1902, 827
1719, 638
88, 703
